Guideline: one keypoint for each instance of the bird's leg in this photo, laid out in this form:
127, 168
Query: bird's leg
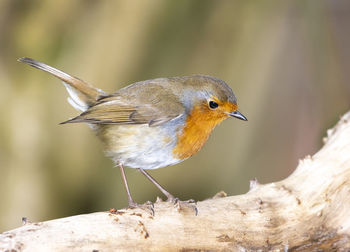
178, 203
132, 204
191, 204
165, 192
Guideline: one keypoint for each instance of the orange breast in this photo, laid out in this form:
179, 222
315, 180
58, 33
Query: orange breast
199, 125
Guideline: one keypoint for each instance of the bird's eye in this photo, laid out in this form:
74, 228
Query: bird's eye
213, 105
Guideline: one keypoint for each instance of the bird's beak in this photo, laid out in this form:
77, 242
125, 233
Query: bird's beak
238, 115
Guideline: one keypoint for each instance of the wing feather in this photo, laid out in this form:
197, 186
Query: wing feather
153, 105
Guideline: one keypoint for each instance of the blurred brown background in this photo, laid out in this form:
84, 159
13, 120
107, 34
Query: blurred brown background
287, 61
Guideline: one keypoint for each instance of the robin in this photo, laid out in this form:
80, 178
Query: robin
150, 124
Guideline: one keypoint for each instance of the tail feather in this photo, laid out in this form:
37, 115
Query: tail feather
82, 94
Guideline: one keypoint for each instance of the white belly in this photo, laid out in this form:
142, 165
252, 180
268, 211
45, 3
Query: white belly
140, 146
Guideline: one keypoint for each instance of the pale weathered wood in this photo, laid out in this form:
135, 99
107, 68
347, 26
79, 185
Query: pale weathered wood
308, 211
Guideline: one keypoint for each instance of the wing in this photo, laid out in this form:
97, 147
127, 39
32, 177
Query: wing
150, 104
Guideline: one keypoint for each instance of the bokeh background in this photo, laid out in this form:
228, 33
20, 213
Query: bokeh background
287, 61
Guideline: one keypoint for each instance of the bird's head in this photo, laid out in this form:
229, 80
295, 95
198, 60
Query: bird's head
211, 97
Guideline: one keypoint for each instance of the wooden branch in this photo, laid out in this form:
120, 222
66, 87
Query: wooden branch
308, 211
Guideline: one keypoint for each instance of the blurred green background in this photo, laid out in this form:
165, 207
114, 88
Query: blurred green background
287, 61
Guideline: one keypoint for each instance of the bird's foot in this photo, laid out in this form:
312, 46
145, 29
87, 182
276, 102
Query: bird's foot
148, 206
184, 205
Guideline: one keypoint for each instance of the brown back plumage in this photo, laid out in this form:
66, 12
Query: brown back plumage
148, 105
128, 106
151, 102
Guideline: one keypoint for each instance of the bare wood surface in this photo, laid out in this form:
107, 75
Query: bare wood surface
308, 211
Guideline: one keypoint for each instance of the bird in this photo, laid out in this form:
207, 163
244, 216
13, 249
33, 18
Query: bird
150, 124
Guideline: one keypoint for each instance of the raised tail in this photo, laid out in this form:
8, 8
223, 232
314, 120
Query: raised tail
82, 94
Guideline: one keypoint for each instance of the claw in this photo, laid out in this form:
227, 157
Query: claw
150, 203
175, 201
183, 204
171, 198
159, 200
148, 206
